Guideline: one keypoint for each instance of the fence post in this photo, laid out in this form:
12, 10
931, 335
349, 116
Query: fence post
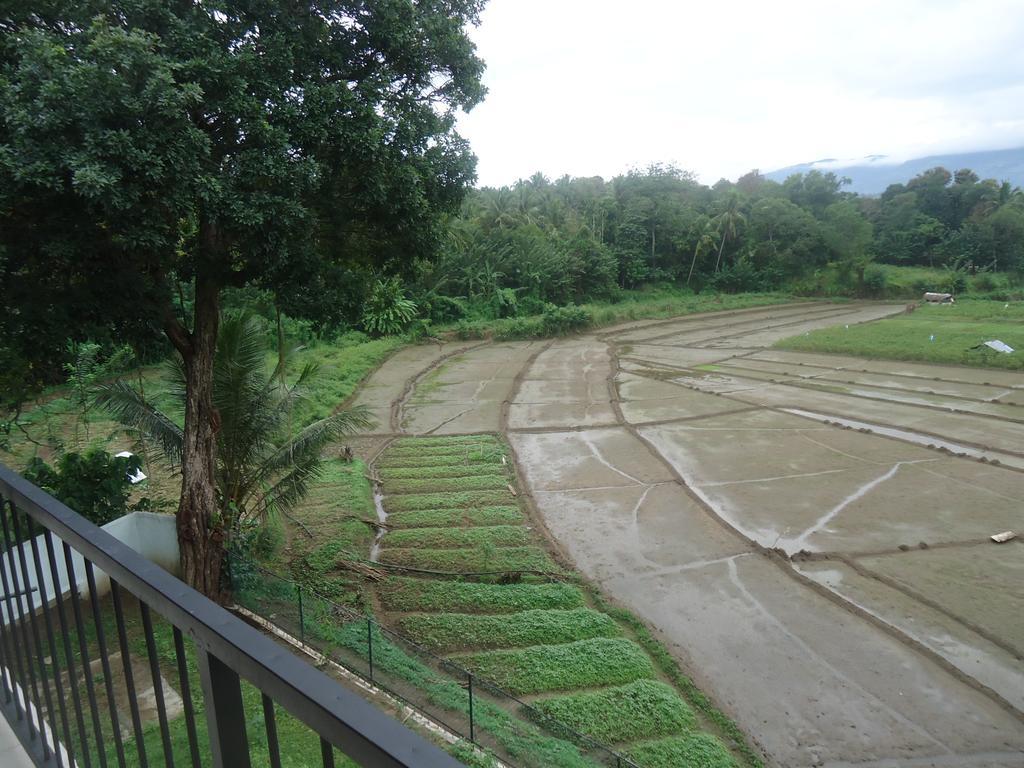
302, 619
369, 645
472, 728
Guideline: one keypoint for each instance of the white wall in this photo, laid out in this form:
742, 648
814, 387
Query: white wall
151, 535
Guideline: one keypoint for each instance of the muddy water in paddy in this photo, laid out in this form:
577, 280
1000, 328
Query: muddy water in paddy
664, 461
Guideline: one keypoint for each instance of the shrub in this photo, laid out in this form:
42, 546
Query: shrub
558, 321
388, 311
874, 281
95, 485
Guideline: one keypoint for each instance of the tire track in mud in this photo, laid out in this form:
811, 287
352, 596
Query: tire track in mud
783, 561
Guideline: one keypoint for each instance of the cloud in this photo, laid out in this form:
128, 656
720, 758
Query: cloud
590, 87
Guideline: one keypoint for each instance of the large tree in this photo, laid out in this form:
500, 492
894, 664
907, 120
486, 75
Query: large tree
151, 144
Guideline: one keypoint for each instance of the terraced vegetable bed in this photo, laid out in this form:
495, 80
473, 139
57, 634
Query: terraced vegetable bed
482, 589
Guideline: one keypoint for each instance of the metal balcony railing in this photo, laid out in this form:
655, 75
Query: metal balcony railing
73, 659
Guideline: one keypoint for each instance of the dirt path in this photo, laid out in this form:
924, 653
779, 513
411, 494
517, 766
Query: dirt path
669, 459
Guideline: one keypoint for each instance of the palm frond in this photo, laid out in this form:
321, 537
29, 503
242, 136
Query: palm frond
130, 409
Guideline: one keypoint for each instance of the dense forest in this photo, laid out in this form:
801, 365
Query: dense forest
514, 248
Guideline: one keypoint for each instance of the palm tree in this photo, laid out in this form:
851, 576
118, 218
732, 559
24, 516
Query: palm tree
727, 223
262, 464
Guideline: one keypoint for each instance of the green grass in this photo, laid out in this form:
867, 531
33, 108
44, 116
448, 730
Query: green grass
453, 537
582, 664
956, 328
494, 481
480, 560
444, 440
694, 750
402, 594
417, 501
466, 516
639, 710
458, 631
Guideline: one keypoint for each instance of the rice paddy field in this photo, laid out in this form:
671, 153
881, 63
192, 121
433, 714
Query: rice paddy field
487, 594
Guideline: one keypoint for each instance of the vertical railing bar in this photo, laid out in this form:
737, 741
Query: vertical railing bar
186, 698
472, 723
302, 622
16, 671
158, 686
16, 592
69, 656
129, 678
83, 650
43, 677
108, 682
270, 719
225, 712
83, 732
52, 640
326, 753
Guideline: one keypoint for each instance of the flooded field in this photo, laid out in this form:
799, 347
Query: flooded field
808, 534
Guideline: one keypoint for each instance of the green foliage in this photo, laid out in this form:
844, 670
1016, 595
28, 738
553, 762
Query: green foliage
558, 321
483, 560
957, 329
874, 281
95, 484
401, 594
448, 471
387, 311
695, 750
416, 501
453, 538
465, 516
263, 464
581, 664
454, 631
639, 710
447, 484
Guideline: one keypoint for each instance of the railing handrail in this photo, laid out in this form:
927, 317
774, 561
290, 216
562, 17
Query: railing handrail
338, 715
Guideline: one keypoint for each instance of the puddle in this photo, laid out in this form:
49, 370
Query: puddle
382, 518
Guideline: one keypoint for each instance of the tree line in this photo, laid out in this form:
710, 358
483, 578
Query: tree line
576, 239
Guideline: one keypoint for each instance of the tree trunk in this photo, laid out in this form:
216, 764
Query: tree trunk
721, 248
201, 535
693, 263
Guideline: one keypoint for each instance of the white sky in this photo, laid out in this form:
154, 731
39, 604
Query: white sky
592, 87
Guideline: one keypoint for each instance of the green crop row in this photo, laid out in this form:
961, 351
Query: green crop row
482, 450
414, 459
417, 442
640, 710
460, 631
436, 473
454, 538
402, 594
581, 664
480, 560
413, 501
421, 485
694, 750
467, 516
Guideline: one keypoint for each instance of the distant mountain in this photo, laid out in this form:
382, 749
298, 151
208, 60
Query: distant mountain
872, 174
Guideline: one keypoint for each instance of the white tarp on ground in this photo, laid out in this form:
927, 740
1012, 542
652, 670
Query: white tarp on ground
999, 346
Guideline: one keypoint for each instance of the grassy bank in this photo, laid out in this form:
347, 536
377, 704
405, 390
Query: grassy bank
932, 334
